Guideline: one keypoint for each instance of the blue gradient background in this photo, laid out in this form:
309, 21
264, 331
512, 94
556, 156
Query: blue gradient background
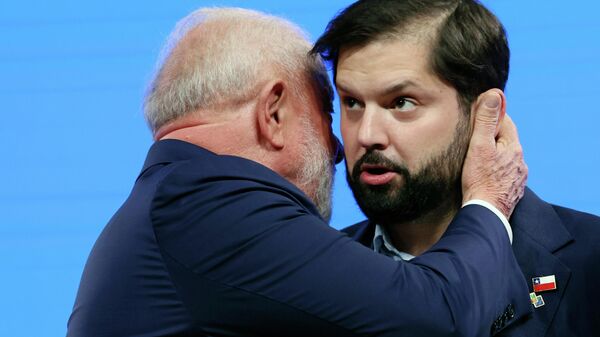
72, 77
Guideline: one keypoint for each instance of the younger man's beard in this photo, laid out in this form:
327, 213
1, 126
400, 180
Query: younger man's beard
420, 193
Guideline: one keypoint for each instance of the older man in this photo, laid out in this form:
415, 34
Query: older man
220, 235
409, 74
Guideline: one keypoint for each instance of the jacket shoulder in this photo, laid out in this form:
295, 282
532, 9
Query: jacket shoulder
585, 229
572, 217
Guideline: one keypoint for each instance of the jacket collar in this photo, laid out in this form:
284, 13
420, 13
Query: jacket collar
540, 222
164, 152
172, 150
362, 232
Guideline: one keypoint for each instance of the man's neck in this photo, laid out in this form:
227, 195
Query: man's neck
417, 236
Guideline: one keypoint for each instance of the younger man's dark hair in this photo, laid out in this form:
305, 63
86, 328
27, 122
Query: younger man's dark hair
469, 47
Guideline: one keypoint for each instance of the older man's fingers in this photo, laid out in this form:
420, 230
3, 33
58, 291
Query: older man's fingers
487, 114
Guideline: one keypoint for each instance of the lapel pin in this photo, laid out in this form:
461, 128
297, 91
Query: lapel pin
533, 297
536, 300
544, 283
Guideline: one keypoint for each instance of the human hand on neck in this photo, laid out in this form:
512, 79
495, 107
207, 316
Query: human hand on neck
494, 168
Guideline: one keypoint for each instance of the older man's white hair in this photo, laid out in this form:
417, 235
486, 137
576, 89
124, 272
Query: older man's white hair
218, 56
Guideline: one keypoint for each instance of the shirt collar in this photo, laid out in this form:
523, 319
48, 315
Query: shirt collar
382, 245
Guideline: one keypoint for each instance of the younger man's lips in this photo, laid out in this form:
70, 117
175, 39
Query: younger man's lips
376, 174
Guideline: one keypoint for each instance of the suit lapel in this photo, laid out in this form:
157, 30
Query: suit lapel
538, 233
536, 261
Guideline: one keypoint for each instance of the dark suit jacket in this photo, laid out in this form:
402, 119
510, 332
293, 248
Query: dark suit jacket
222, 246
549, 240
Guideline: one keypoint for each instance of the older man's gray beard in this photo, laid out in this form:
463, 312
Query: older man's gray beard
315, 175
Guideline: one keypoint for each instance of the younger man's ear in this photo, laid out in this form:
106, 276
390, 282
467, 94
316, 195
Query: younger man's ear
492, 100
271, 113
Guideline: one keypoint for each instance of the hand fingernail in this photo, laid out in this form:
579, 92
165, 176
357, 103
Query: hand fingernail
492, 101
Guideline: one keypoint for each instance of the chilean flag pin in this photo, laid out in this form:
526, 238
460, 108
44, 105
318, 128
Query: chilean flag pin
544, 283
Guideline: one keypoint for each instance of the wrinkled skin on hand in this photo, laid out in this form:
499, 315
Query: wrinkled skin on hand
494, 168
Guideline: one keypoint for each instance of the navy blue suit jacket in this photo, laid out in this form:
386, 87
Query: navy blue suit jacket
223, 246
549, 240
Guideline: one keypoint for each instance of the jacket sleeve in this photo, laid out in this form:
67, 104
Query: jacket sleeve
250, 259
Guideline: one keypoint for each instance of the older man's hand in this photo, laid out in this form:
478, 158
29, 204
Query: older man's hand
494, 169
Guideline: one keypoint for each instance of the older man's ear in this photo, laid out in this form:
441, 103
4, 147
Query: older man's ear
271, 113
